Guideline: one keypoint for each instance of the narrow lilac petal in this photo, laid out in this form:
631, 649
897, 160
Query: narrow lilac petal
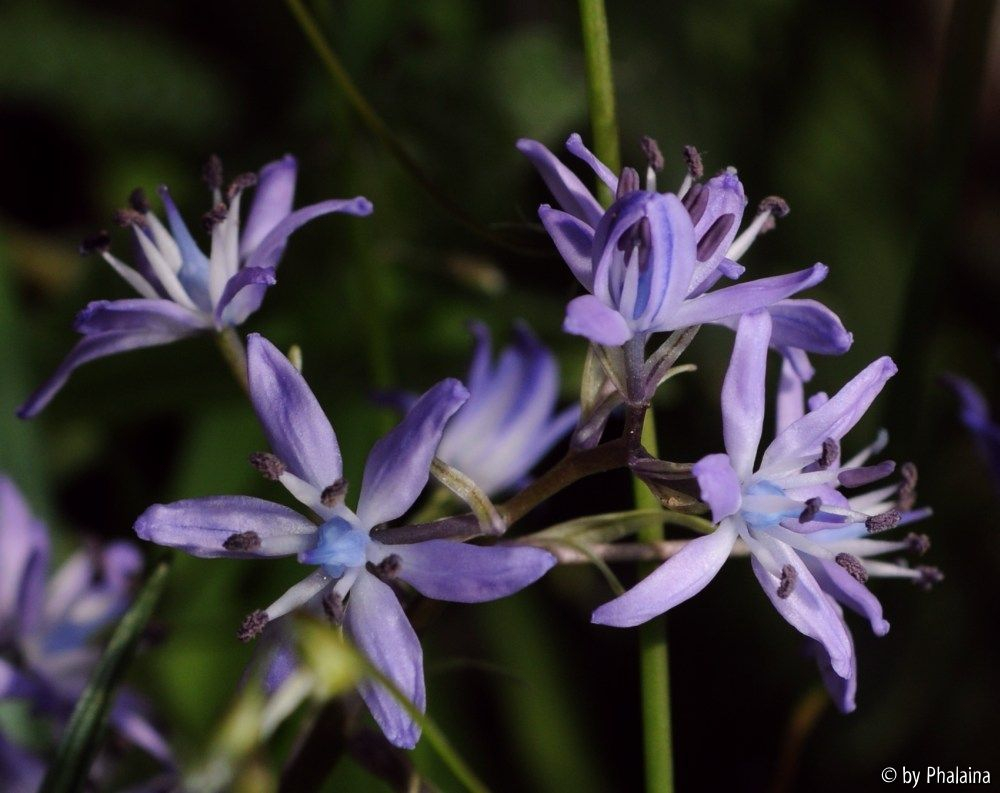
720, 485
743, 392
588, 317
399, 464
465, 573
672, 259
806, 608
677, 579
791, 398
243, 294
727, 268
799, 361
842, 690
24, 554
195, 265
269, 251
569, 191
90, 348
294, 423
137, 315
574, 144
834, 419
201, 526
282, 662
130, 722
842, 586
574, 240
272, 202
744, 297
378, 627
810, 326
479, 368
716, 225
975, 408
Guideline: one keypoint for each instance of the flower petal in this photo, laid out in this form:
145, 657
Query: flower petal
294, 423
378, 627
24, 555
588, 317
465, 573
719, 208
842, 586
807, 608
269, 251
569, 191
574, 240
842, 690
677, 579
399, 464
243, 294
574, 144
743, 392
129, 721
720, 485
834, 419
137, 315
201, 526
791, 397
744, 297
90, 348
272, 202
21, 771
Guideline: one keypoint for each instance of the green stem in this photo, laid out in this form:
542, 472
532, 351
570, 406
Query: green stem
235, 355
653, 658
378, 127
83, 734
600, 88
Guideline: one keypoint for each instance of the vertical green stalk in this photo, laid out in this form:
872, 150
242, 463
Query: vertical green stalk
653, 657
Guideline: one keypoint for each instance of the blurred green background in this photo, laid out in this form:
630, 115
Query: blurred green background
829, 105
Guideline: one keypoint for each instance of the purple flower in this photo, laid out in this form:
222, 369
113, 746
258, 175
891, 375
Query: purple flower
810, 544
975, 415
46, 630
509, 422
181, 290
651, 258
348, 560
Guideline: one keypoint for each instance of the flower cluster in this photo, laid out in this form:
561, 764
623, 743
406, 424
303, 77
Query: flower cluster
811, 519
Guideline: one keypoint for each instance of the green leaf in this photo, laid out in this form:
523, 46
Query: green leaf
86, 726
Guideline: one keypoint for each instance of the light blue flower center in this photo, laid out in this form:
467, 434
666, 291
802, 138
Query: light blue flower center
765, 504
340, 547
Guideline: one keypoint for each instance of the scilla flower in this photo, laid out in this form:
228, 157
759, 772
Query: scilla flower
181, 290
808, 542
650, 259
47, 631
351, 568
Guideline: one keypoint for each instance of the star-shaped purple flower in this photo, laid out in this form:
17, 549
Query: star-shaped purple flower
809, 543
306, 460
650, 259
182, 291
47, 652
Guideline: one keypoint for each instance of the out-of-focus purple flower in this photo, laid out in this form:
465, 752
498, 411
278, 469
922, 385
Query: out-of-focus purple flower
46, 629
649, 260
183, 291
509, 422
811, 545
306, 460
975, 415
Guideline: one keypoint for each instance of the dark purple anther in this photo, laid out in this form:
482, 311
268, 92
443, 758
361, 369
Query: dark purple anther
831, 449
858, 477
652, 151
137, 200
333, 494
812, 508
696, 202
775, 205
906, 498
884, 522
253, 626
269, 466
243, 541
95, 243
918, 543
853, 566
129, 217
929, 576
628, 182
789, 577
387, 569
714, 236
214, 216
240, 183
692, 158
333, 605
212, 173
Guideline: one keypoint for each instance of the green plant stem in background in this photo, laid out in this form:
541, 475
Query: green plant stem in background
235, 355
83, 734
653, 656
377, 126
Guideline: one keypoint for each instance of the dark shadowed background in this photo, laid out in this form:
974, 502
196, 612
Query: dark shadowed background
830, 105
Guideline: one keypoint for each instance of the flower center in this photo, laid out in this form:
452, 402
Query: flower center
341, 546
765, 504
